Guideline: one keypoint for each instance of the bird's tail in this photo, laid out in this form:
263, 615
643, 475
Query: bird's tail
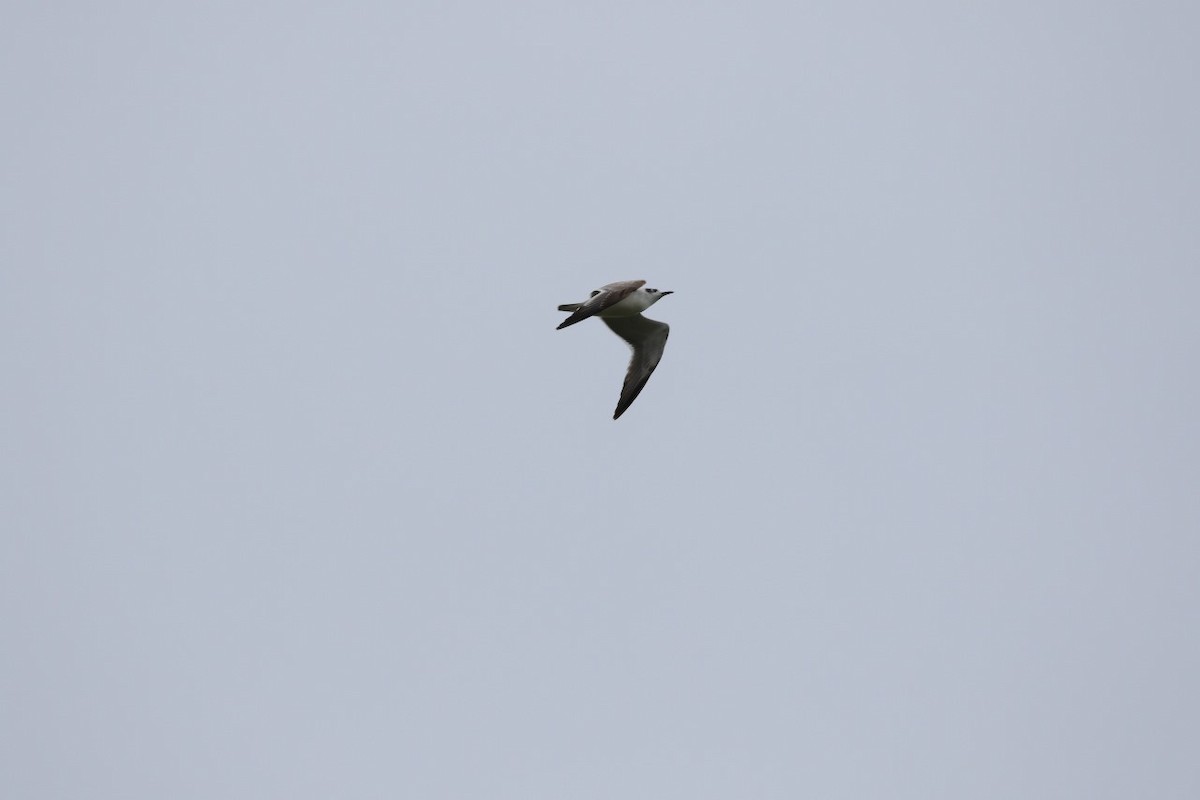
570, 306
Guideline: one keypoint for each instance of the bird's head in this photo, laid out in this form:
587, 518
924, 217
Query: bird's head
654, 294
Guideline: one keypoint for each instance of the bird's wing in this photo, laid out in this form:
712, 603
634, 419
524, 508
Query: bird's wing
648, 338
604, 297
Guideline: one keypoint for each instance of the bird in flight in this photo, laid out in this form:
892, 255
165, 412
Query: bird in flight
620, 305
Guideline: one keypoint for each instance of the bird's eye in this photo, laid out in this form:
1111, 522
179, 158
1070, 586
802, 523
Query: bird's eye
649, 291
595, 293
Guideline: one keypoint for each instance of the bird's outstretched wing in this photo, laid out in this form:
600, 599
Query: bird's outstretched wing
648, 338
601, 299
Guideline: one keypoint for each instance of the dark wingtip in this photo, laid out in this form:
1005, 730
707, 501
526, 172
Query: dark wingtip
571, 320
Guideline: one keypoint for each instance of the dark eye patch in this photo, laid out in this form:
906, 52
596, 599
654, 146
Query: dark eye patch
595, 293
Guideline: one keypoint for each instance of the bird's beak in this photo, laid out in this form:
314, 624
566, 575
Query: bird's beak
664, 294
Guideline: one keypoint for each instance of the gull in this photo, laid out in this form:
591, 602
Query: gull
620, 305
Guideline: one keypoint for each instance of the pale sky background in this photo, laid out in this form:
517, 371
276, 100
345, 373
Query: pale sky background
304, 497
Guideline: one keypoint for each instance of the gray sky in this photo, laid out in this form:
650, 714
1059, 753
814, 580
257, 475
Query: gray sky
303, 495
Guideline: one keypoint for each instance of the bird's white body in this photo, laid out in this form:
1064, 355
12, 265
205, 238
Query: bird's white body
635, 303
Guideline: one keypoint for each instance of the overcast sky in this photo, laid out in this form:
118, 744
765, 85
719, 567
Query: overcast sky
303, 496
